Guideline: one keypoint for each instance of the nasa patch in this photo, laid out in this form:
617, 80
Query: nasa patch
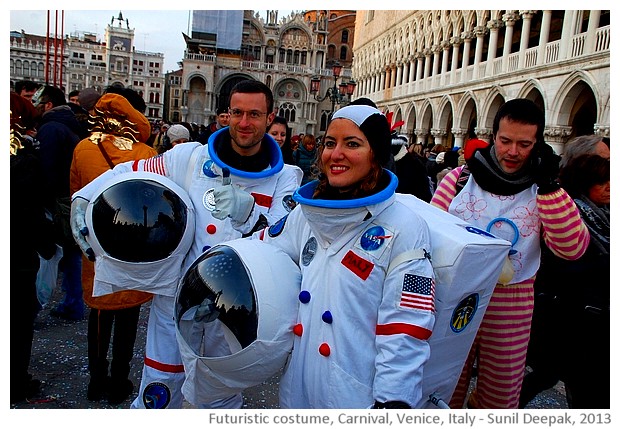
307, 254
156, 396
206, 169
373, 240
464, 312
276, 229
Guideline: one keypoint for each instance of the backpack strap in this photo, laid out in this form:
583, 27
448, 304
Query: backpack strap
192, 164
105, 155
462, 179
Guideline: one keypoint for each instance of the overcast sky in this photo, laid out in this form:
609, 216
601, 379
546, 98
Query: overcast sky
155, 30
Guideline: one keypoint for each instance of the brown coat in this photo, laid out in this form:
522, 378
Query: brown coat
88, 163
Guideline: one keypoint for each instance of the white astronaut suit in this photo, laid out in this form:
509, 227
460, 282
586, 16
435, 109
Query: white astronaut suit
366, 306
163, 373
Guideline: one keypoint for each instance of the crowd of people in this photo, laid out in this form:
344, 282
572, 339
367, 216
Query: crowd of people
247, 176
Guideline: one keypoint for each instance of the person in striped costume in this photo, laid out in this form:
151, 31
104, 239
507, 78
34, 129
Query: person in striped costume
511, 191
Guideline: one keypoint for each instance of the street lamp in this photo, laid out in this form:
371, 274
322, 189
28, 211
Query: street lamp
338, 93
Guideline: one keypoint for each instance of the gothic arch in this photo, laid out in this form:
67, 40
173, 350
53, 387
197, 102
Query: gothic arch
566, 94
191, 77
467, 105
490, 106
578, 109
487, 102
410, 114
426, 118
446, 112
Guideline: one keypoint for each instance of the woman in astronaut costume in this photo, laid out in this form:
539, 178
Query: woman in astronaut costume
253, 199
366, 306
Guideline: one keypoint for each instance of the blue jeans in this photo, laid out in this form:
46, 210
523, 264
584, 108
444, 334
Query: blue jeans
72, 304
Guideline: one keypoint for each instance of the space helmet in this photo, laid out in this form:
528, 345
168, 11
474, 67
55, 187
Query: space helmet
141, 226
235, 309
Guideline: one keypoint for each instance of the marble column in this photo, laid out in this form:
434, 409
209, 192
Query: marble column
509, 23
526, 15
445, 46
456, 44
493, 27
466, 36
557, 136
480, 32
541, 57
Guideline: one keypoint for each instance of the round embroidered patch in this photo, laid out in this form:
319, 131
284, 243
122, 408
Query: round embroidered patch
373, 238
288, 203
206, 169
307, 255
156, 396
208, 200
464, 312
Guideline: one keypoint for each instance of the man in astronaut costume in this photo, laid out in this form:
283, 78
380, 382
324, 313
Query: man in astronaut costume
241, 169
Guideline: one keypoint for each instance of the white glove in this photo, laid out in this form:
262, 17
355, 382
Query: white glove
231, 201
78, 226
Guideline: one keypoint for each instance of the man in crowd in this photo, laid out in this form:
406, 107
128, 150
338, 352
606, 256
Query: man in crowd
252, 200
222, 119
58, 133
511, 192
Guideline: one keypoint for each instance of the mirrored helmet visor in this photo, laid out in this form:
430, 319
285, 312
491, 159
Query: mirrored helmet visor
139, 220
217, 286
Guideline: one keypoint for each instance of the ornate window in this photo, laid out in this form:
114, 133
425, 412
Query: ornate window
288, 111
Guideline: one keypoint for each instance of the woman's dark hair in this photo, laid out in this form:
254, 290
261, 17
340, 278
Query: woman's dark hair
583, 172
287, 151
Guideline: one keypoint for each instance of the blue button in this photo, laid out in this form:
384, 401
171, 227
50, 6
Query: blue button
304, 296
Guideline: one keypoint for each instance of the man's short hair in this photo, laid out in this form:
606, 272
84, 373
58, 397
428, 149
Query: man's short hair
254, 87
28, 85
50, 94
523, 111
133, 96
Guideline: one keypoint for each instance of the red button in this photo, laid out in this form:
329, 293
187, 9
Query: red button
298, 329
324, 349
211, 229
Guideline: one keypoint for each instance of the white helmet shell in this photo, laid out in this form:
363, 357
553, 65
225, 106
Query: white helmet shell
235, 310
141, 226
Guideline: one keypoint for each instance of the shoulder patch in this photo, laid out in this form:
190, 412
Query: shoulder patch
206, 169
276, 229
307, 254
288, 203
374, 240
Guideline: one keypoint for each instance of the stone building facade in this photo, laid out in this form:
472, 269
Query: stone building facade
89, 63
283, 53
446, 72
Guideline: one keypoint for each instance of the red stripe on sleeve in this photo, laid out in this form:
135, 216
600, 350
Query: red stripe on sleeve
404, 328
163, 367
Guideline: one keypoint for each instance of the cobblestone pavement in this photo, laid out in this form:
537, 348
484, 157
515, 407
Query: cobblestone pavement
59, 360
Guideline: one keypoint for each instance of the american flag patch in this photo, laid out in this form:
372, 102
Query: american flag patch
418, 292
155, 165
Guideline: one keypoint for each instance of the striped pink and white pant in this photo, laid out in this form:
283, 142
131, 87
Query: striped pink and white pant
500, 348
